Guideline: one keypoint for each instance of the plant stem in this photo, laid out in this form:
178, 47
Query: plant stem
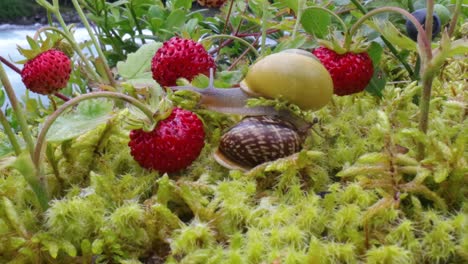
74, 44
9, 132
233, 38
264, 27
135, 20
62, 96
41, 139
424, 110
429, 19
300, 9
95, 41
10, 65
456, 13
18, 110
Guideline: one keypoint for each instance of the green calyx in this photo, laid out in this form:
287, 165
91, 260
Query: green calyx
357, 44
52, 41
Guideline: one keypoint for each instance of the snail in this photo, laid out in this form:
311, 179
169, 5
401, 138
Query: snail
294, 75
257, 139
266, 134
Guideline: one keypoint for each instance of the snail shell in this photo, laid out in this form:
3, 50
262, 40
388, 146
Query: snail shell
293, 75
255, 140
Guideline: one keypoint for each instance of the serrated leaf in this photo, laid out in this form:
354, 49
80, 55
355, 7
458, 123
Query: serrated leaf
316, 22
138, 64
88, 115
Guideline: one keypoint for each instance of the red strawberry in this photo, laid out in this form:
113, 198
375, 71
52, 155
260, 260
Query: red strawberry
180, 58
172, 145
351, 72
47, 73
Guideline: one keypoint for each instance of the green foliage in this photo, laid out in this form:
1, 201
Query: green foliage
12, 9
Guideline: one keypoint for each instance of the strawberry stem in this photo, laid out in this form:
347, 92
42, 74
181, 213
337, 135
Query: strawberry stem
300, 10
10, 65
95, 41
62, 96
233, 38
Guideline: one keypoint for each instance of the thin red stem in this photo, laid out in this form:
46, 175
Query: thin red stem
10, 65
62, 96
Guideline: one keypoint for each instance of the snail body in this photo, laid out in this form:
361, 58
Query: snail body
293, 75
255, 140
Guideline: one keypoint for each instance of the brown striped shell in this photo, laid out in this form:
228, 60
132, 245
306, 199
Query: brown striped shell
255, 140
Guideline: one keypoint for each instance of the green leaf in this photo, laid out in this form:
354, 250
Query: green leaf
293, 4
291, 43
377, 83
459, 47
175, 20
88, 115
375, 53
25, 166
392, 34
118, 3
316, 22
187, 4
138, 64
